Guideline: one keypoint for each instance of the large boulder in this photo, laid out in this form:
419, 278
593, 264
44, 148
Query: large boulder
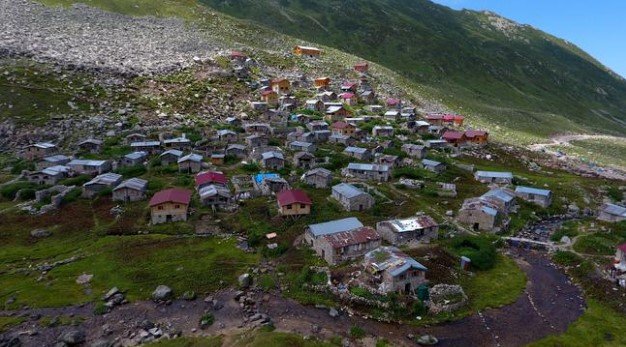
73, 337
162, 293
245, 280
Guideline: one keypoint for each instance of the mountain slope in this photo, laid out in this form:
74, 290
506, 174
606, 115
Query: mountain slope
511, 75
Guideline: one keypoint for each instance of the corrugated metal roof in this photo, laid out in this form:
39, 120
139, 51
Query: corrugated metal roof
395, 262
368, 167
272, 154
133, 183
108, 178
499, 194
212, 190
531, 190
136, 155
146, 144
494, 174
359, 150
56, 158
86, 162
613, 209
191, 157
335, 226
55, 170
44, 145
432, 163
347, 190
173, 152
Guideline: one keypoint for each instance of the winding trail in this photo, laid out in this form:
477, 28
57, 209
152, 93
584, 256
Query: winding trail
550, 303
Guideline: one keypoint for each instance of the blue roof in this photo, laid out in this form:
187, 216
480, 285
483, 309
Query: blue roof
348, 190
136, 155
335, 226
428, 162
531, 190
368, 167
260, 177
489, 210
351, 149
495, 174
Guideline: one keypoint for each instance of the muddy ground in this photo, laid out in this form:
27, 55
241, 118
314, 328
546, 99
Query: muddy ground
551, 302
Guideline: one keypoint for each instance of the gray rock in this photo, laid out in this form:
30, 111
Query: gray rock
10, 341
40, 233
189, 295
333, 312
101, 343
245, 280
162, 293
73, 337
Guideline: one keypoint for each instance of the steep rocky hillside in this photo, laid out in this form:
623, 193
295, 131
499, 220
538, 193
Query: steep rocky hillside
508, 74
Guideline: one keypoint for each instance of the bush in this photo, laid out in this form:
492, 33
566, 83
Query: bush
207, 320
9, 191
250, 167
71, 196
75, 181
100, 309
480, 250
20, 165
566, 258
357, 332
131, 171
27, 194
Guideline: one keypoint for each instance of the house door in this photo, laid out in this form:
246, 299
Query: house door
407, 288
168, 218
476, 226
323, 254
360, 207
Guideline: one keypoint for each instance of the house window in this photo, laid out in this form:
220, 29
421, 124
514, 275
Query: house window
176, 206
160, 208
289, 207
302, 205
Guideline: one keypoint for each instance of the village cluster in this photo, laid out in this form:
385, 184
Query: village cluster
289, 133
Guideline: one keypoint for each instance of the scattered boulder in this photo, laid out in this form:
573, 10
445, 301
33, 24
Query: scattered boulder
245, 280
162, 293
13, 341
84, 279
333, 312
189, 295
101, 343
73, 337
40, 233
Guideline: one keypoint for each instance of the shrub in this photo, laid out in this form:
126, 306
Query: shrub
27, 194
9, 191
100, 309
357, 332
566, 258
71, 196
75, 181
207, 320
480, 250
132, 171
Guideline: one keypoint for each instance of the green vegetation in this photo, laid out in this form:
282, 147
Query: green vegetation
480, 250
597, 243
494, 75
276, 339
8, 322
357, 332
212, 341
598, 326
499, 286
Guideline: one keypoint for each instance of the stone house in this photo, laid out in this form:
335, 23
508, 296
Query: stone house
170, 157
257, 141
39, 150
414, 151
317, 125
134, 158
482, 215
92, 146
269, 183
420, 228
503, 198
191, 163
612, 213
327, 96
236, 150
393, 115
320, 136
494, 177
170, 205
359, 153
368, 97
347, 141
318, 178
315, 231
215, 195
89, 167
374, 172
393, 271
433, 166
133, 189
180, 143
437, 144
49, 175
347, 245
135, 137
293, 202
273, 160
302, 146
152, 147
541, 197
304, 160
382, 131
390, 160
336, 113
352, 198
100, 183
228, 136
54, 160
315, 105
259, 106
620, 257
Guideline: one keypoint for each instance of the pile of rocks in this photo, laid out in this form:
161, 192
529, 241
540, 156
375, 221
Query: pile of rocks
91, 39
446, 298
114, 297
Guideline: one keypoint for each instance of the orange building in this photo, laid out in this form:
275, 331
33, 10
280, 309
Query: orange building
280, 85
361, 67
304, 50
478, 137
270, 96
322, 82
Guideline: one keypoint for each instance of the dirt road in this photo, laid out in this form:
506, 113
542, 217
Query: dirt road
549, 305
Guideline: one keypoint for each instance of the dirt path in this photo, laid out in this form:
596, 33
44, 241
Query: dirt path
551, 302
564, 140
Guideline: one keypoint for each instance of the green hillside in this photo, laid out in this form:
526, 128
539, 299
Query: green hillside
503, 73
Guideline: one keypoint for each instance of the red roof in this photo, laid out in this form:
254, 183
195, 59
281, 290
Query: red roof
177, 195
452, 117
340, 125
452, 135
210, 177
361, 64
237, 54
434, 117
622, 247
348, 85
278, 80
268, 92
392, 101
475, 133
346, 95
288, 197
352, 237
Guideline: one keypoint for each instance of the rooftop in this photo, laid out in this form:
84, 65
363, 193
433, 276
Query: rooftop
335, 226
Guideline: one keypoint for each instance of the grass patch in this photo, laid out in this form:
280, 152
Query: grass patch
276, 339
212, 341
7, 322
598, 326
